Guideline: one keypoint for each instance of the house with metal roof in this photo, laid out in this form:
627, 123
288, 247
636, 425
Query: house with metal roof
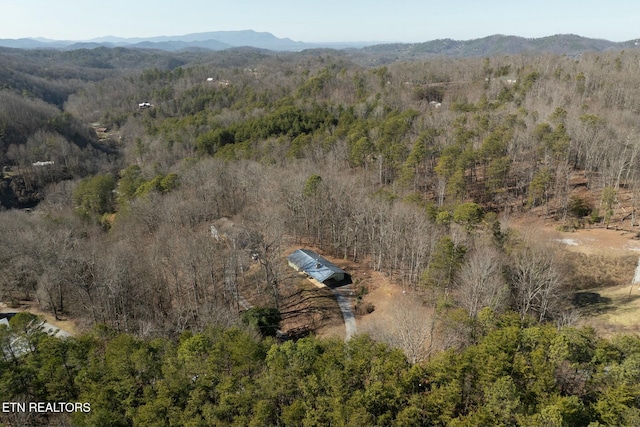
317, 267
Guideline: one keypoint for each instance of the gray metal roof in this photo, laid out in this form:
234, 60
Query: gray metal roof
315, 265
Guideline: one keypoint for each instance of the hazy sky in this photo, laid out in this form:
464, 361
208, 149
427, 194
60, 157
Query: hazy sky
322, 20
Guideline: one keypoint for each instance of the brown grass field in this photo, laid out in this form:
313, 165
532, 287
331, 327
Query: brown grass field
601, 264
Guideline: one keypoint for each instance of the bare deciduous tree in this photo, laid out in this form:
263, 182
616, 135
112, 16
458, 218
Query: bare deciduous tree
410, 328
536, 282
480, 282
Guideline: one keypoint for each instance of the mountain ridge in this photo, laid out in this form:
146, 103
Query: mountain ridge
570, 44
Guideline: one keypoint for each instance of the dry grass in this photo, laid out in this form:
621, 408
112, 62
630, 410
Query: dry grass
600, 268
598, 271
613, 310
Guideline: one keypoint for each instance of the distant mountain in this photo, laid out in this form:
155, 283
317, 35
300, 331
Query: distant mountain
567, 44
26, 43
216, 40
177, 45
169, 45
564, 44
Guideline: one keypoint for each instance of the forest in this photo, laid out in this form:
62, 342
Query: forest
412, 169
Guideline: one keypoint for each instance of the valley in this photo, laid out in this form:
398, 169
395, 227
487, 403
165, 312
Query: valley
483, 207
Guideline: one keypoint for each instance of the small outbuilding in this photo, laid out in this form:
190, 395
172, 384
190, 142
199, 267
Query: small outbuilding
5, 317
317, 267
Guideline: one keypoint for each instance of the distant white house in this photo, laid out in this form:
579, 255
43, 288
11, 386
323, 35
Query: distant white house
219, 83
47, 163
144, 105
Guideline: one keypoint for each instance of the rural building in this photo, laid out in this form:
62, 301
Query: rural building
317, 267
5, 317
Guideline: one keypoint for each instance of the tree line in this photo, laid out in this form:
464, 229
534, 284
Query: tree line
517, 373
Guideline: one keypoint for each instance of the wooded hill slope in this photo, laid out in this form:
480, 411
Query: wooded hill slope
517, 374
371, 163
405, 168
337, 149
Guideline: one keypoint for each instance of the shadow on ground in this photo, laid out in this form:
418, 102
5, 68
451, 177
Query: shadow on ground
592, 302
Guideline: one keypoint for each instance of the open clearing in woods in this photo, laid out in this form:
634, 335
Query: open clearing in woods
603, 266
603, 263
371, 294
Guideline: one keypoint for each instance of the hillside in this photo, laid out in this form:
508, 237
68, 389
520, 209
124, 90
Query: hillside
562, 44
510, 135
440, 183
